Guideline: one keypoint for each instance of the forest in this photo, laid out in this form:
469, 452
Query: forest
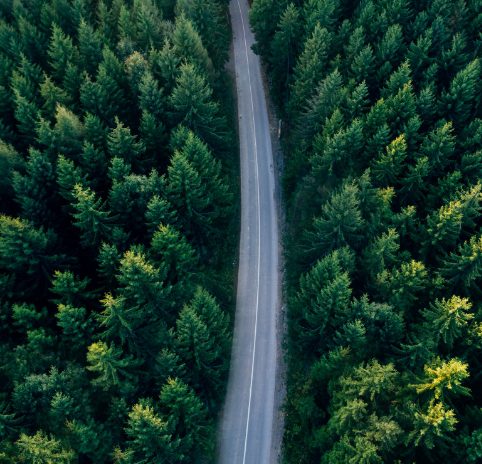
382, 139
118, 229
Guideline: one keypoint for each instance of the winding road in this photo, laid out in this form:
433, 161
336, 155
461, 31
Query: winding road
248, 421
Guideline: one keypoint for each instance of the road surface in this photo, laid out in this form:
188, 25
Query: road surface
247, 424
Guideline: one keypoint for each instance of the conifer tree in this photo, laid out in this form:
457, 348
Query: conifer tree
149, 438
192, 104
90, 217
187, 419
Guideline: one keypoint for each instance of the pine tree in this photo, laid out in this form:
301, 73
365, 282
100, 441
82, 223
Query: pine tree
26, 251
388, 167
207, 17
90, 47
76, 326
142, 286
445, 225
187, 420
326, 98
284, 48
149, 438
169, 247
339, 224
403, 286
192, 201
40, 448
438, 146
264, 16
90, 217
61, 52
10, 161
69, 175
457, 102
122, 144
309, 68
188, 47
333, 157
463, 268
111, 369
192, 104
199, 351
151, 98
322, 12
444, 379
448, 318
148, 21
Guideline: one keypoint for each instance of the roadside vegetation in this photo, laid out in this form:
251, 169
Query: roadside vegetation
382, 135
117, 229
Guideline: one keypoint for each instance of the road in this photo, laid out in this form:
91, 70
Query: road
247, 424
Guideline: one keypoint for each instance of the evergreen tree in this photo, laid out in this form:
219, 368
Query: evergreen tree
112, 371
149, 438
284, 47
340, 222
188, 47
309, 67
40, 448
90, 217
448, 318
192, 104
187, 419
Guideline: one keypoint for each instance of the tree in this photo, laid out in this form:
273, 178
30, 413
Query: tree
94, 222
403, 286
148, 435
143, 287
199, 351
334, 156
187, 420
322, 12
61, 52
448, 318
321, 105
151, 96
439, 146
10, 161
170, 247
207, 17
388, 167
445, 225
188, 47
26, 251
189, 196
68, 176
90, 46
457, 102
382, 252
432, 425
263, 17
309, 68
461, 269
284, 47
42, 449
77, 327
444, 379
340, 222
111, 369
192, 104
122, 144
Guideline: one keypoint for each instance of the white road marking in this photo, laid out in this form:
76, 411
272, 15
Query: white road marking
259, 236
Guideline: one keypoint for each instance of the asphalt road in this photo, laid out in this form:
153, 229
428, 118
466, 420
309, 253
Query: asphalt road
247, 424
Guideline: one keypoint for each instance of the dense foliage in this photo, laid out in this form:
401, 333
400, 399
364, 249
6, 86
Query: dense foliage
381, 102
116, 201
